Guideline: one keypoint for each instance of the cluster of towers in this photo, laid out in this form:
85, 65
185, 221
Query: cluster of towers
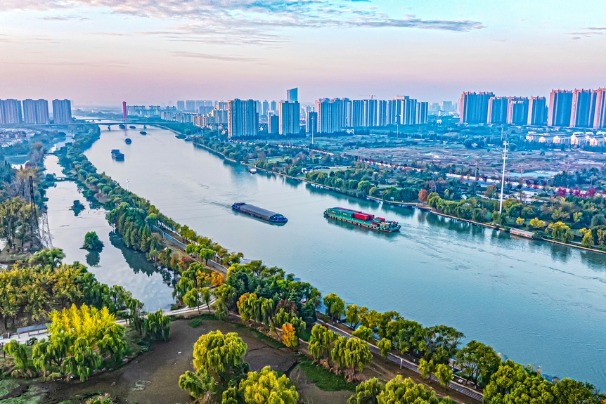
34, 112
577, 108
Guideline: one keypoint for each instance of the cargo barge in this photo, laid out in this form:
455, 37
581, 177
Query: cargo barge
117, 155
362, 219
259, 213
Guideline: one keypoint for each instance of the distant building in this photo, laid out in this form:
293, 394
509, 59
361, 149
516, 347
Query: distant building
312, 123
190, 105
332, 114
265, 108
273, 124
473, 107
273, 106
243, 120
10, 112
289, 113
583, 108
62, 111
517, 110
599, 120
537, 111
35, 112
292, 95
560, 108
181, 105
497, 110
223, 105
422, 112
449, 106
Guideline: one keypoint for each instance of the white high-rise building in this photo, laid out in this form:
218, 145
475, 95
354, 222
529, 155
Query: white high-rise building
62, 111
243, 119
10, 112
289, 113
35, 112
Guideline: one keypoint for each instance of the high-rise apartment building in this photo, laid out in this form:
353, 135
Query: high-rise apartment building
190, 105
537, 111
35, 112
265, 108
181, 105
10, 112
560, 108
583, 108
422, 112
517, 110
292, 95
473, 107
243, 119
497, 110
273, 124
599, 119
62, 111
332, 114
289, 113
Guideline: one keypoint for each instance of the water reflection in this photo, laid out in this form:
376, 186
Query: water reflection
93, 258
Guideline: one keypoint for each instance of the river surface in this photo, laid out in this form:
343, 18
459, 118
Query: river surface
115, 264
534, 302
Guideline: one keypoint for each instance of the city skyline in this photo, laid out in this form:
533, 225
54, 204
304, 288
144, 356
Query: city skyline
148, 51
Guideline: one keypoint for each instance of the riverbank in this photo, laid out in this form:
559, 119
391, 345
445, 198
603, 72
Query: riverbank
522, 233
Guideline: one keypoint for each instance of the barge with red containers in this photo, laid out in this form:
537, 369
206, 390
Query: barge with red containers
362, 219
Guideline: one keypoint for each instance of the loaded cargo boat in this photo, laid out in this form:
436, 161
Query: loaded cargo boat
259, 213
362, 219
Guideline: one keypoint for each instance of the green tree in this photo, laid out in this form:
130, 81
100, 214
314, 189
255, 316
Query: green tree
92, 242
266, 386
384, 345
198, 384
363, 333
335, 306
560, 231
157, 326
367, 392
320, 342
477, 362
220, 355
400, 390
444, 374
352, 315
426, 369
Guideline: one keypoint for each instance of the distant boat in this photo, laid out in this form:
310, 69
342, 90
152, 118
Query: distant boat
122, 126
180, 136
132, 127
143, 132
117, 155
189, 138
252, 170
128, 140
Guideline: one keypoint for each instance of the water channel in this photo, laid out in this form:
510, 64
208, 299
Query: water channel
534, 302
115, 264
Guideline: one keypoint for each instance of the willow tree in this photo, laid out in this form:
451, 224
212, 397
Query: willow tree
266, 386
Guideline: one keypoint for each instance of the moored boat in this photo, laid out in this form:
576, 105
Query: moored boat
259, 213
143, 132
252, 170
362, 219
128, 140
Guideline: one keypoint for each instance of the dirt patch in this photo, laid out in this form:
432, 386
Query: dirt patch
310, 393
152, 377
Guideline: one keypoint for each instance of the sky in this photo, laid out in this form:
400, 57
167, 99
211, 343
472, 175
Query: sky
100, 52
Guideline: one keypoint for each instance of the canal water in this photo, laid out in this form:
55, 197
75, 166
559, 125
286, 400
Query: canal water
535, 302
115, 264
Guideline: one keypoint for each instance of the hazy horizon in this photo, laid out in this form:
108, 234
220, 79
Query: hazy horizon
101, 52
